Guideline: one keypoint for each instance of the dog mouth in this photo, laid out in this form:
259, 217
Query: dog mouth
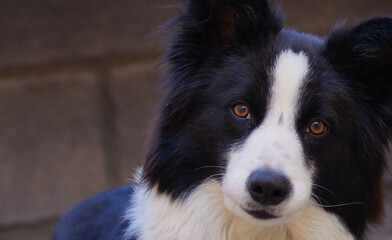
260, 214
255, 210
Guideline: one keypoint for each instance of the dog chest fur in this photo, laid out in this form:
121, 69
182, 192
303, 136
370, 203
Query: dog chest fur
203, 216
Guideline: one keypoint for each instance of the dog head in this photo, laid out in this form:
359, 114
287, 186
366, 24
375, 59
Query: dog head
279, 118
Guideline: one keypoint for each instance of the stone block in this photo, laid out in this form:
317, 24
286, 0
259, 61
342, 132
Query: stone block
136, 93
46, 30
319, 16
39, 232
40, 31
50, 145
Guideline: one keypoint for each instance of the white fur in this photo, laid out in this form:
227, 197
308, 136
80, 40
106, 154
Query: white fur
213, 210
203, 216
274, 145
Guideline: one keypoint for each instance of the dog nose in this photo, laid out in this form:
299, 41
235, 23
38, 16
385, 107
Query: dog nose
268, 187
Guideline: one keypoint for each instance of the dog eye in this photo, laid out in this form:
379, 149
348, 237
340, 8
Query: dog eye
241, 110
317, 127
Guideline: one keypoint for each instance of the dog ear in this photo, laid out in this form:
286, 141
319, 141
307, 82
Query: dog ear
223, 25
363, 55
223, 22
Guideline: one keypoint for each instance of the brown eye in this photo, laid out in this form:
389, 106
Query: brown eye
317, 127
241, 110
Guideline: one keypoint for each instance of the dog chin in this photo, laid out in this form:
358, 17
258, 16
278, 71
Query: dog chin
261, 217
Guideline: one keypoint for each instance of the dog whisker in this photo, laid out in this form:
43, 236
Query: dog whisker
338, 205
213, 175
320, 201
328, 190
317, 198
208, 167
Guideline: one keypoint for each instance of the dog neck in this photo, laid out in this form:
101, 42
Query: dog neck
203, 216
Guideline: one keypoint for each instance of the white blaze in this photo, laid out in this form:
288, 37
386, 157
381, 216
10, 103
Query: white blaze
274, 145
213, 211
290, 71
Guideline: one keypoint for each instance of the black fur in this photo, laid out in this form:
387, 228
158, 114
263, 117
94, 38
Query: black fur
350, 86
99, 218
194, 126
222, 53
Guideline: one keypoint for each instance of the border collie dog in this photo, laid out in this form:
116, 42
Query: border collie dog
265, 134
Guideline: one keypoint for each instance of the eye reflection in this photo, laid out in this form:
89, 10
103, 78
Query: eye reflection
241, 110
317, 127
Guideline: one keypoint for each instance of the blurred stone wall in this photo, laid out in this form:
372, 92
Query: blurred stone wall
78, 87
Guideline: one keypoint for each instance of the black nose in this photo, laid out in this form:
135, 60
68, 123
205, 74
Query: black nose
268, 187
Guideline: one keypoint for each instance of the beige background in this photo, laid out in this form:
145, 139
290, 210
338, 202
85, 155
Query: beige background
78, 87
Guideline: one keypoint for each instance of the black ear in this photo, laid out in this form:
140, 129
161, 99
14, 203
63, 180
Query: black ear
206, 27
222, 22
363, 55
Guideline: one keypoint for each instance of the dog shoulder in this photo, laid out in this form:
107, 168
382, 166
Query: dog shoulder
100, 217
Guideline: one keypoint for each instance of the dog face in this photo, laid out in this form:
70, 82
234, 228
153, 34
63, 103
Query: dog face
269, 175
280, 119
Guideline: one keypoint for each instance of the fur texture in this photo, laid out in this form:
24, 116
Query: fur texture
203, 216
228, 52
264, 134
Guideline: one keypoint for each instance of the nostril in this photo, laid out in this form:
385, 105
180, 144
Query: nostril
257, 189
268, 187
279, 194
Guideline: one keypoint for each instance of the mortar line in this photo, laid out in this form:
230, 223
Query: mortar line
28, 224
77, 63
108, 115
